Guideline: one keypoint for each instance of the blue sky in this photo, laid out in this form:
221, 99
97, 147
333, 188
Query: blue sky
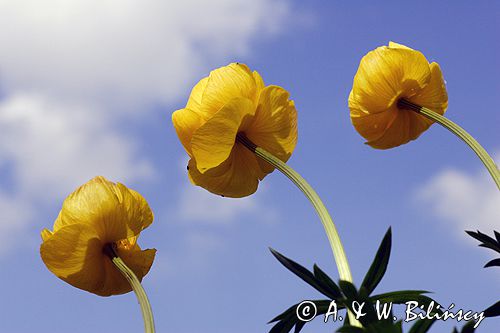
87, 88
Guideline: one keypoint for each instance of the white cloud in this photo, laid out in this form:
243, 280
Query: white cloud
14, 216
465, 201
69, 68
126, 52
53, 150
49, 152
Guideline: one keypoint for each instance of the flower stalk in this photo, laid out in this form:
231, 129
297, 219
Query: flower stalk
147, 313
459, 132
310, 193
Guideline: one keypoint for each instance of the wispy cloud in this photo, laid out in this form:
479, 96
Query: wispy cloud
125, 52
462, 200
52, 150
69, 69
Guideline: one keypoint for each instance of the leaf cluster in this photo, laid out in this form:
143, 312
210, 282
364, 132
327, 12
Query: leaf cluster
345, 293
493, 244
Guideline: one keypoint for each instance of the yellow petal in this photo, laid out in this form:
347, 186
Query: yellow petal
196, 96
434, 95
274, 126
397, 133
186, 122
74, 254
387, 74
212, 143
46, 234
394, 45
112, 209
238, 177
138, 261
371, 126
259, 82
224, 84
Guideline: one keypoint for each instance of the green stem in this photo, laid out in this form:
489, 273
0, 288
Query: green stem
147, 314
326, 220
459, 132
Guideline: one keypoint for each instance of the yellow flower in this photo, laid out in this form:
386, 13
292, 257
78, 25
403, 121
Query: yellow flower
385, 76
98, 214
231, 101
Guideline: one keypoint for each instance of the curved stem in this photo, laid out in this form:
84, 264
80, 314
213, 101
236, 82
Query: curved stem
140, 293
459, 132
326, 220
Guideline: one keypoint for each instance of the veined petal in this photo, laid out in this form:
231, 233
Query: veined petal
112, 209
397, 133
213, 142
74, 254
138, 261
394, 45
274, 126
386, 74
186, 122
196, 95
46, 234
240, 176
433, 95
259, 82
226, 83
371, 126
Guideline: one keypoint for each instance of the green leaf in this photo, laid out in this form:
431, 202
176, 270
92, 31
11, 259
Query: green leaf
351, 329
422, 326
375, 327
469, 327
282, 327
324, 278
486, 240
306, 275
403, 296
352, 295
288, 319
348, 289
299, 326
379, 264
493, 311
494, 262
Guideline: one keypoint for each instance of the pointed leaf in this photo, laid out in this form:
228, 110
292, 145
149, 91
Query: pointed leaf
422, 326
379, 264
323, 277
494, 262
304, 274
486, 240
282, 327
288, 319
493, 311
299, 326
469, 327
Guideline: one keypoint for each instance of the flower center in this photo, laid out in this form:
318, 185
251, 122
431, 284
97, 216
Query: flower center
242, 138
109, 249
404, 104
